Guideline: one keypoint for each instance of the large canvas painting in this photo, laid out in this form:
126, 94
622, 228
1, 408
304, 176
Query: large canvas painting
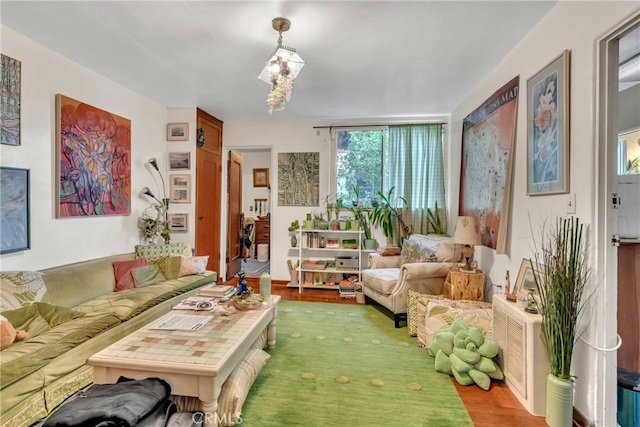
14, 210
10, 101
94, 161
488, 136
298, 179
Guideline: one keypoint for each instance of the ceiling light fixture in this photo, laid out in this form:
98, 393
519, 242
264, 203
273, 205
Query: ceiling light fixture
281, 69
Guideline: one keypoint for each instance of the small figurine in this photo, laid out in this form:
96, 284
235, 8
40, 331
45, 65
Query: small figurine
532, 305
507, 289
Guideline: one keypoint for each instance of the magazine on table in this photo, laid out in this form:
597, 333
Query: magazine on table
181, 322
197, 303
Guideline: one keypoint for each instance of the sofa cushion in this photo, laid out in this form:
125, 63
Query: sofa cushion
421, 313
56, 315
170, 266
122, 272
147, 275
28, 319
382, 280
20, 288
193, 265
158, 251
412, 312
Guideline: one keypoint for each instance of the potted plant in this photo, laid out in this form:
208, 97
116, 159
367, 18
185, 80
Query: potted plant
434, 220
362, 216
386, 213
560, 283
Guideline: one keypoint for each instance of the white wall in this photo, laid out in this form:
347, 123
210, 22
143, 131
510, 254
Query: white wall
629, 107
183, 115
575, 26
62, 241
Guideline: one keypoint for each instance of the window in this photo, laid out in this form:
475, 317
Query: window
359, 159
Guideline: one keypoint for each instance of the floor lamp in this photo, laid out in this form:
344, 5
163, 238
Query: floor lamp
165, 201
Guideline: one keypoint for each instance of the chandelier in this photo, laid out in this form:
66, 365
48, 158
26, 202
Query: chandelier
281, 69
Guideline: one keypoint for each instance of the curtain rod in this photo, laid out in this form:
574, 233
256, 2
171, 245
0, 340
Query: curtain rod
379, 124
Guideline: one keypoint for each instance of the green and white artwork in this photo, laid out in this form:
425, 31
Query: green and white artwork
298, 179
10, 100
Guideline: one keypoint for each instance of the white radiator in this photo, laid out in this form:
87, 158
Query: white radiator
523, 357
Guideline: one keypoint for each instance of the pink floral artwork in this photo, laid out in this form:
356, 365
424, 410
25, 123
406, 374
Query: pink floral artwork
94, 167
545, 131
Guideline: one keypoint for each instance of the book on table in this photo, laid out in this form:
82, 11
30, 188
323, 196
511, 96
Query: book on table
219, 291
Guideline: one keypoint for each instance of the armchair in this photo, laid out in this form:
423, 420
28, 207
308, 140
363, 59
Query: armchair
422, 266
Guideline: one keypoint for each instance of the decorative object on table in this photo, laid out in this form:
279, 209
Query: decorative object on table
93, 163
548, 128
178, 222
151, 223
248, 301
14, 210
299, 179
180, 188
265, 285
532, 304
560, 286
488, 136
260, 177
467, 234
295, 225
179, 161
178, 132
509, 296
465, 353
242, 284
281, 69
163, 224
10, 79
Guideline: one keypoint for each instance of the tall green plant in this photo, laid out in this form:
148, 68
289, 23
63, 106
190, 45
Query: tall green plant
560, 283
383, 215
434, 220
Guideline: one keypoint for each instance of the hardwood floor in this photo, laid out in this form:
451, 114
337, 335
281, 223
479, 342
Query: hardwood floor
497, 407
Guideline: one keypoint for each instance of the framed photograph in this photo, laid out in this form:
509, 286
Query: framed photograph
10, 100
179, 161
525, 282
261, 177
178, 222
180, 188
548, 128
178, 132
14, 210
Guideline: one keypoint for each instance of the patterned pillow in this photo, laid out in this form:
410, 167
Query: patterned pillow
21, 288
440, 314
412, 312
413, 252
421, 313
193, 265
158, 251
235, 389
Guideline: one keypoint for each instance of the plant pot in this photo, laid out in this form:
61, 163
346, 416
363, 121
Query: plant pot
559, 411
343, 225
323, 225
294, 241
370, 244
308, 224
355, 225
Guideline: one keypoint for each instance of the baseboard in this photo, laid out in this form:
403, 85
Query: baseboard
580, 420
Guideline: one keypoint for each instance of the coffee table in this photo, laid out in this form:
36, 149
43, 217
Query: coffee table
194, 363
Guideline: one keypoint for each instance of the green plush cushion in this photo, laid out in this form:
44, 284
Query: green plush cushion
485, 365
445, 342
56, 315
458, 325
463, 378
459, 365
433, 348
477, 334
497, 374
489, 349
28, 319
412, 312
466, 355
20, 288
170, 266
147, 275
443, 363
481, 379
158, 251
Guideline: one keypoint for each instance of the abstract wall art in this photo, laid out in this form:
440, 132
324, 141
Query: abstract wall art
14, 210
488, 138
93, 161
298, 179
10, 70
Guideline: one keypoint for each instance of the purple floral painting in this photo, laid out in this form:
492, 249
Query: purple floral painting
94, 167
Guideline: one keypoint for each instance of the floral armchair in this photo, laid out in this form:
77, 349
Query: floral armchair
422, 266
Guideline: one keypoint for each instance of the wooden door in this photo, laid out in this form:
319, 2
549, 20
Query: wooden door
208, 188
234, 225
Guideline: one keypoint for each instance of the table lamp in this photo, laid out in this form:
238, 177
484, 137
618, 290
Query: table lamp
467, 235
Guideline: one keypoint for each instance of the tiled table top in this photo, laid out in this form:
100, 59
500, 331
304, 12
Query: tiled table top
205, 346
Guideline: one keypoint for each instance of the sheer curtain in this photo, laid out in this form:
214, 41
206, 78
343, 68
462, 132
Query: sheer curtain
414, 161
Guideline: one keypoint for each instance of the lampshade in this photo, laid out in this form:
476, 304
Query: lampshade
282, 67
466, 231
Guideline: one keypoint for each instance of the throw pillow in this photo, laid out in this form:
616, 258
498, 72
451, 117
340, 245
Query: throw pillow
170, 266
412, 312
56, 315
158, 251
20, 288
193, 265
235, 389
28, 319
122, 273
441, 314
421, 312
147, 275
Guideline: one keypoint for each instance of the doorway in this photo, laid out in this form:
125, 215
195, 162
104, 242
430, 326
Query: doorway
255, 208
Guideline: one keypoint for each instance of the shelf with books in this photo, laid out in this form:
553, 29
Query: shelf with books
326, 257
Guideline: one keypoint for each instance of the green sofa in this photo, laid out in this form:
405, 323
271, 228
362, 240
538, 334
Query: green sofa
39, 373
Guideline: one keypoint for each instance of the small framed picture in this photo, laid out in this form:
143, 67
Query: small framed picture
261, 177
179, 161
525, 282
333, 243
178, 132
180, 188
14, 210
178, 222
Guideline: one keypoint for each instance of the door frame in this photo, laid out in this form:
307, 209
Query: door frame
606, 123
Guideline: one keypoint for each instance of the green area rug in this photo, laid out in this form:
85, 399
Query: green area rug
346, 365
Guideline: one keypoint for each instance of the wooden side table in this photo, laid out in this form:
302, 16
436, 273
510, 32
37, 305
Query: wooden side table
464, 285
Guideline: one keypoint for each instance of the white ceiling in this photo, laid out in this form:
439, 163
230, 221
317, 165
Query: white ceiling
364, 59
